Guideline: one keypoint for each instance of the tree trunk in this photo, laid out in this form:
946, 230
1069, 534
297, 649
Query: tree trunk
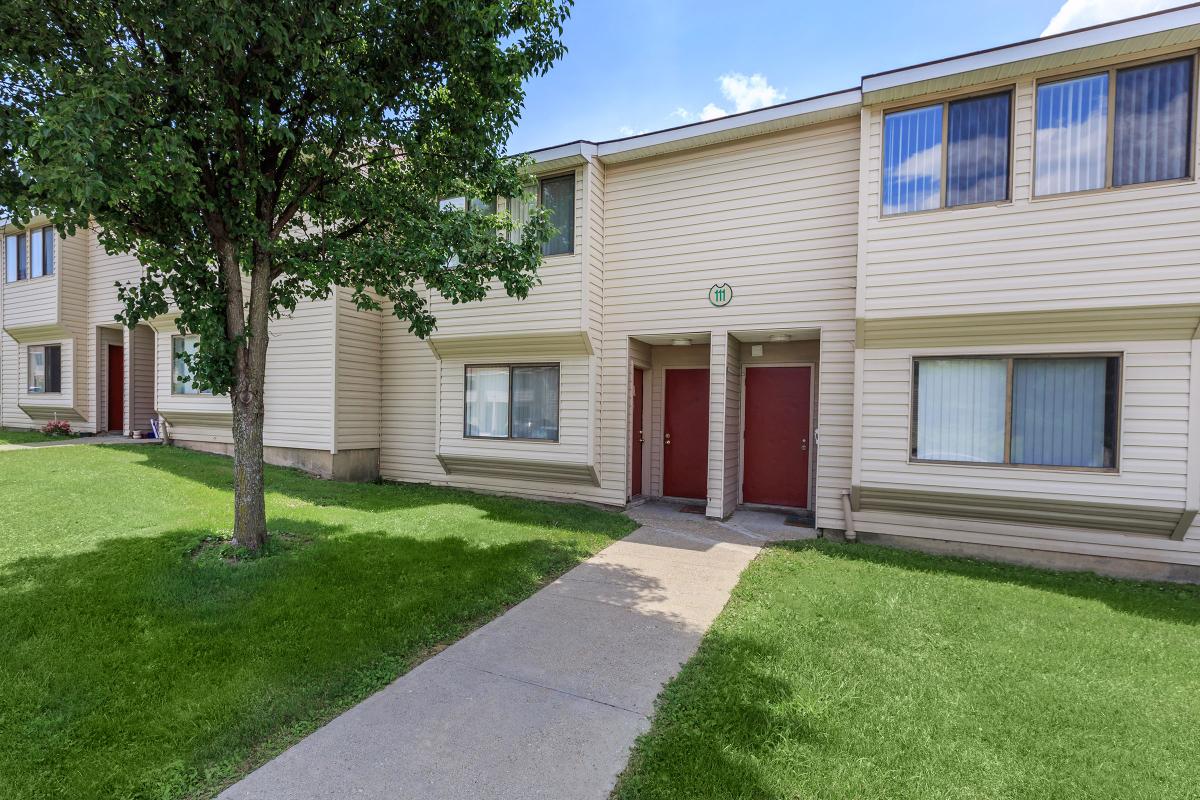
246, 326
249, 506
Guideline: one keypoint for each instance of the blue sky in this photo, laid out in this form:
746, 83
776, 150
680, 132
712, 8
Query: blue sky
638, 65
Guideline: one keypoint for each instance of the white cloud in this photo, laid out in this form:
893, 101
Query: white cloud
1076, 14
744, 92
748, 92
625, 130
925, 163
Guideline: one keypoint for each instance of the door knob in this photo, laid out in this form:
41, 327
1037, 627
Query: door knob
668, 438
804, 445
641, 437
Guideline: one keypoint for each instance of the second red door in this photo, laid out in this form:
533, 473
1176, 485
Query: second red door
685, 434
639, 385
776, 439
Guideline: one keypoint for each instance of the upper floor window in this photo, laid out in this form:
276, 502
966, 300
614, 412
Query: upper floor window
30, 254
181, 376
951, 154
45, 369
1050, 411
1115, 128
460, 203
557, 196
511, 402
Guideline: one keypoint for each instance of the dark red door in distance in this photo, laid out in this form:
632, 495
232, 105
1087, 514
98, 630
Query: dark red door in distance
777, 436
685, 434
116, 388
635, 449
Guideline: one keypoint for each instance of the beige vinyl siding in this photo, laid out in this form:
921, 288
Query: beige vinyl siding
1133, 246
573, 415
103, 305
718, 396
139, 367
593, 303
10, 412
48, 310
555, 304
409, 391
103, 338
1154, 429
731, 477
594, 254
298, 395
103, 272
639, 358
423, 418
776, 217
31, 303
74, 301
357, 381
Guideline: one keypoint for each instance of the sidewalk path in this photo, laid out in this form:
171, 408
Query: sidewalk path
77, 440
545, 701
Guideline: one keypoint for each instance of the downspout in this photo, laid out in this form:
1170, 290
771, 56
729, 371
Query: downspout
847, 512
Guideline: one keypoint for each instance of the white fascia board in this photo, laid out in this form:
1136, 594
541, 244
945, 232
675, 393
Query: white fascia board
744, 123
1102, 34
748, 119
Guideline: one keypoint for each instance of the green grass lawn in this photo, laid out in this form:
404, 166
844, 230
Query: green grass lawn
14, 436
851, 671
133, 667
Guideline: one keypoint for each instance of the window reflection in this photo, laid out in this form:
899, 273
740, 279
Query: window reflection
912, 160
1072, 135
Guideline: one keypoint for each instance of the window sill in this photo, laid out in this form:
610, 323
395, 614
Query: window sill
886, 218
27, 281
1103, 190
524, 470
1115, 471
469, 438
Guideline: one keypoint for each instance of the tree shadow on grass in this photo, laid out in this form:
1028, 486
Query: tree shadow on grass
216, 472
1165, 602
715, 724
136, 670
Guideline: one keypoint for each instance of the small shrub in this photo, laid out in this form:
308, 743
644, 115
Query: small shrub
57, 427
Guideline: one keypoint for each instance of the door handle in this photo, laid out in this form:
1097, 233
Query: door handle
641, 437
804, 445
668, 439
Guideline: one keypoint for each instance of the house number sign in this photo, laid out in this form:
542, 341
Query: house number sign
720, 294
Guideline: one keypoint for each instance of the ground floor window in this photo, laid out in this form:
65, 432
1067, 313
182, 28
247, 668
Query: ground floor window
1053, 411
181, 377
45, 369
511, 402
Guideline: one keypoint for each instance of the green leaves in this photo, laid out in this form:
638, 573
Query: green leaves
310, 141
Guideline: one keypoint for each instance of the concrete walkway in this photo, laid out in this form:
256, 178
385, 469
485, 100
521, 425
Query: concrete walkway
545, 701
77, 440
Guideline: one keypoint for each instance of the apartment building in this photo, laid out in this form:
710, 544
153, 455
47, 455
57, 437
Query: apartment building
956, 307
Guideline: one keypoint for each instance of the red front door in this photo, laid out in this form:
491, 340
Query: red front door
639, 383
777, 436
116, 388
685, 435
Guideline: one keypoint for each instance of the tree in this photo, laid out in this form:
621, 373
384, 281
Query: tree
254, 153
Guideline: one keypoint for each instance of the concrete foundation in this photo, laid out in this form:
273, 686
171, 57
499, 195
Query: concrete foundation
359, 466
1128, 568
